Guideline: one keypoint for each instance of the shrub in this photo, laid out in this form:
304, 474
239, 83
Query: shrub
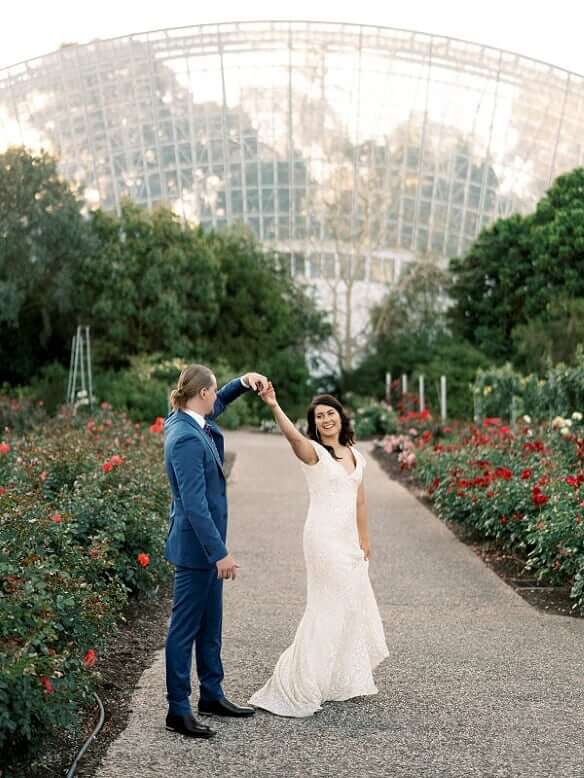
526, 489
505, 392
83, 505
374, 418
19, 414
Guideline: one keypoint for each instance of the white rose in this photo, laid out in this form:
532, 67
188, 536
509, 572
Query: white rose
567, 423
527, 419
557, 422
577, 416
565, 431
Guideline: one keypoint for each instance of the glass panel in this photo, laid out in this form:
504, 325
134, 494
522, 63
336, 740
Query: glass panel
329, 266
299, 265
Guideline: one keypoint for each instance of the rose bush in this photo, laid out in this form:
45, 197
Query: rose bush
74, 540
523, 487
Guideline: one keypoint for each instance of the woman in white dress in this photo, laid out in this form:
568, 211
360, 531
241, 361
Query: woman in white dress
340, 637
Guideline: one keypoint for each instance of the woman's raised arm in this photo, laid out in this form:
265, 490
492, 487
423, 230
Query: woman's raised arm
300, 444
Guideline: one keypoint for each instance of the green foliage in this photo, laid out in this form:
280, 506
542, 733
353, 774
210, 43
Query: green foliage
18, 414
151, 284
43, 238
559, 393
266, 321
459, 361
551, 338
142, 389
146, 284
519, 291
558, 244
81, 500
523, 489
48, 387
372, 418
411, 336
489, 286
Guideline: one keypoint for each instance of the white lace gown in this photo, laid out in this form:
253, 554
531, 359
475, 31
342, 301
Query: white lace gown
340, 638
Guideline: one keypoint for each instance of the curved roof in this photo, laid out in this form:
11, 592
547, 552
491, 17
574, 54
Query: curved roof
325, 138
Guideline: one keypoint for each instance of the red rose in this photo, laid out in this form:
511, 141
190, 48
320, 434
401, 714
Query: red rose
143, 559
539, 498
526, 474
57, 518
158, 425
504, 520
504, 473
116, 460
107, 467
47, 685
2, 490
90, 658
572, 480
4, 448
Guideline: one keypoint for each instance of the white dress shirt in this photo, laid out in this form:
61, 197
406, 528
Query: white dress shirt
196, 416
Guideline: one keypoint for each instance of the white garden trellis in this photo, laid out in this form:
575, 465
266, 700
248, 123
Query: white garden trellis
80, 383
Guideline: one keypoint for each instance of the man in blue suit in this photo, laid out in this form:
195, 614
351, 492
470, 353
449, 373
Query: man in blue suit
196, 545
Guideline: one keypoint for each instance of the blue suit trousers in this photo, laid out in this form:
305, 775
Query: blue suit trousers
197, 613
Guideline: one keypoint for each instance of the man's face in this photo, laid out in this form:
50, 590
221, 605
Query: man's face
209, 396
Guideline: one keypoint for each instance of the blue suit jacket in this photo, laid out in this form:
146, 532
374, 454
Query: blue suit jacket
198, 512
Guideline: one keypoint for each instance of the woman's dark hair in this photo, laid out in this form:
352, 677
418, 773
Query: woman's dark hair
346, 435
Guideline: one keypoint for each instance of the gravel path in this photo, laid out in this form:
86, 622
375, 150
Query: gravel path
478, 683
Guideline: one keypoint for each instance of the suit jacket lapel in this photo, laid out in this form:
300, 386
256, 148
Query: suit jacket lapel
203, 436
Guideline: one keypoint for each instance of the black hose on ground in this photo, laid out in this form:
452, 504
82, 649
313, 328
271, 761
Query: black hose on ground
85, 746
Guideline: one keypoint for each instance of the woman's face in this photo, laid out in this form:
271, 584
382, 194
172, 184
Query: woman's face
328, 421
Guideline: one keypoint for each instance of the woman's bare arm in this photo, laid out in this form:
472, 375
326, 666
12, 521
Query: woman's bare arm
300, 445
362, 525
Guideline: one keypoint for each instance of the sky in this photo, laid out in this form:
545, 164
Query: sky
547, 31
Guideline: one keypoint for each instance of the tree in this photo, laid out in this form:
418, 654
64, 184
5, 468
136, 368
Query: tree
151, 284
43, 238
551, 338
416, 304
558, 244
411, 336
490, 286
266, 321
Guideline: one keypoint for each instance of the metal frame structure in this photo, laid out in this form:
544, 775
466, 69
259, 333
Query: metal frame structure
335, 143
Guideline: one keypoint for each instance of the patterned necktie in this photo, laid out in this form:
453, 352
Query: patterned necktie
209, 434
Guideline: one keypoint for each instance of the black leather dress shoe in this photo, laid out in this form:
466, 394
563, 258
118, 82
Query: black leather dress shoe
188, 725
225, 708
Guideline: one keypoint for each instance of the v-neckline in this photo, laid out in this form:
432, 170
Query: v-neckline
340, 464
336, 462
